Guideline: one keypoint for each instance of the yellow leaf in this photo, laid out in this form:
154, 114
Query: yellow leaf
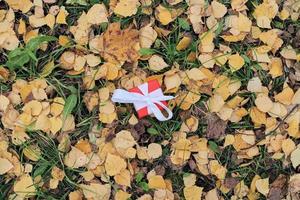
75, 195
296, 97
218, 9
235, 62
187, 99
285, 96
121, 195
133, 120
43, 123
92, 60
288, 53
263, 103
215, 103
174, 2
56, 124
5, 166
50, 21
157, 63
206, 42
114, 164
212, 195
4, 103
172, 82
24, 187
63, 40
192, 192
189, 180
254, 85
84, 146
88, 175
61, 16
22, 27
123, 178
154, 150
229, 140
276, 68
147, 36
238, 5
32, 152
163, 15
262, 186
207, 60
288, 146
96, 191
126, 8
75, 158
295, 158
263, 22
234, 38
97, 14
184, 43
33, 108
124, 140
57, 106
156, 182
257, 116
216, 169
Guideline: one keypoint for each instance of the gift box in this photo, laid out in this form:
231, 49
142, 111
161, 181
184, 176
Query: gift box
147, 99
153, 88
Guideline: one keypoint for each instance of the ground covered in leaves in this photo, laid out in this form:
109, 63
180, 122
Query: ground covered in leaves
233, 67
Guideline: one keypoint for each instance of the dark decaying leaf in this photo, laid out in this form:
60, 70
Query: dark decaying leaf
278, 188
231, 182
215, 127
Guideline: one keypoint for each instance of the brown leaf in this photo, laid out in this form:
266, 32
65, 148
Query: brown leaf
117, 45
294, 187
278, 188
231, 182
215, 127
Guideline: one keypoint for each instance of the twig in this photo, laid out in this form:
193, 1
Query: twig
273, 131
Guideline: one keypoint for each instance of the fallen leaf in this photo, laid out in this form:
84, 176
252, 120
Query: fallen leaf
147, 36
24, 187
121, 195
157, 63
123, 178
96, 191
295, 158
154, 150
277, 188
126, 8
254, 85
235, 62
156, 182
184, 43
218, 9
97, 14
62, 15
189, 180
75, 158
262, 186
263, 103
120, 45
163, 15
215, 127
114, 164
192, 192
5, 166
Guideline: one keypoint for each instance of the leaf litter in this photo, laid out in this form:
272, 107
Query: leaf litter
230, 65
